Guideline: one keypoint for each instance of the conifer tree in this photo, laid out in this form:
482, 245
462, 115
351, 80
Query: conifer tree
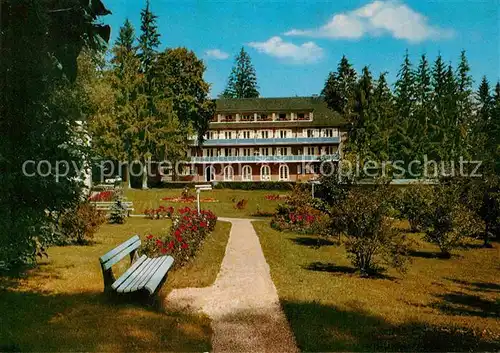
405, 105
384, 124
423, 108
149, 41
242, 82
340, 88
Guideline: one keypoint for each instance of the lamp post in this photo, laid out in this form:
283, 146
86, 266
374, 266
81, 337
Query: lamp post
199, 188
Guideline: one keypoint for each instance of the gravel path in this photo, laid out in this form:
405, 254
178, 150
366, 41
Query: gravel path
243, 302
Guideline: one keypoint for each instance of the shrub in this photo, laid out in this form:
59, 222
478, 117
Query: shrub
482, 196
118, 210
189, 230
297, 214
80, 224
161, 212
370, 237
446, 220
242, 204
411, 202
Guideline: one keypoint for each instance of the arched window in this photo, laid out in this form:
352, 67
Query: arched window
283, 172
209, 173
265, 173
228, 173
246, 173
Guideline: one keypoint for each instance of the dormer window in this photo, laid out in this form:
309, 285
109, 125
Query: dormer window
247, 117
282, 116
302, 116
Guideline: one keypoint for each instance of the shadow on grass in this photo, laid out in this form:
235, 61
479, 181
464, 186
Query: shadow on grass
312, 242
430, 255
477, 286
329, 267
457, 303
37, 321
332, 268
320, 327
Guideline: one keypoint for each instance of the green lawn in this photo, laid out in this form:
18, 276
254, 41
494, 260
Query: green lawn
60, 305
227, 198
439, 305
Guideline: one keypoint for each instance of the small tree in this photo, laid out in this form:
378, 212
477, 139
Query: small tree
446, 220
370, 238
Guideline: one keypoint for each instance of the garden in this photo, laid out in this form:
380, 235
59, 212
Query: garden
59, 305
379, 268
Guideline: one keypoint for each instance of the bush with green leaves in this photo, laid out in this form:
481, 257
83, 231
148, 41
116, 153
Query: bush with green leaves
482, 196
370, 239
411, 201
446, 220
118, 211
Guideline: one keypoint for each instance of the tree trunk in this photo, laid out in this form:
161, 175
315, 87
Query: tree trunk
127, 172
145, 177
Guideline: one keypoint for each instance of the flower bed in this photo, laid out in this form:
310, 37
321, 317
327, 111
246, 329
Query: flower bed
159, 213
189, 230
188, 199
274, 197
102, 196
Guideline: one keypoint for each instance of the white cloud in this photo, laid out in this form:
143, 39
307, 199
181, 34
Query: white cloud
275, 46
216, 54
381, 17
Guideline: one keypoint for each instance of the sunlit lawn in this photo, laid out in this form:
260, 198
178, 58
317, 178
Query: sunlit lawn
439, 305
60, 306
225, 207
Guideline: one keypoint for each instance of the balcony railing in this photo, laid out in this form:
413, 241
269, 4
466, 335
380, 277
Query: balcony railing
269, 141
265, 159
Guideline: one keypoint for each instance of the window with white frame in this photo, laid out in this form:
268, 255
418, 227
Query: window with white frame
210, 173
212, 135
264, 134
228, 152
264, 151
299, 169
283, 172
246, 134
228, 173
247, 152
228, 135
283, 134
265, 173
282, 151
310, 133
310, 151
211, 152
327, 132
246, 173
330, 149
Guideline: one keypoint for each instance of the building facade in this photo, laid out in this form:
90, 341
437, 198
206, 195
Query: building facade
266, 139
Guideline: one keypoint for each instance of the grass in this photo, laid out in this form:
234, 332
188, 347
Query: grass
439, 305
227, 198
60, 305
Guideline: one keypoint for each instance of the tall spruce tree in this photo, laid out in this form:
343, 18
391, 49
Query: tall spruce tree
242, 82
339, 94
423, 109
405, 105
362, 122
383, 115
464, 117
149, 41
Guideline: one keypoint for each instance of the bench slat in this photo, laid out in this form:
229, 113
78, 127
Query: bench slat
129, 272
139, 275
131, 279
121, 255
149, 274
159, 274
119, 248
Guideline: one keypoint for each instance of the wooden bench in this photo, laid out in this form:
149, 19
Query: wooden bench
106, 206
144, 273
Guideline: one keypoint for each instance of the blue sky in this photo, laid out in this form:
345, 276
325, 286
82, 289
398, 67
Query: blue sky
295, 44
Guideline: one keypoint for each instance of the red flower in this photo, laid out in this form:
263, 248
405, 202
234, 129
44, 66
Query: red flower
163, 250
184, 246
149, 237
179, 238
203, 224
177, 233
159, 242
171, 244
